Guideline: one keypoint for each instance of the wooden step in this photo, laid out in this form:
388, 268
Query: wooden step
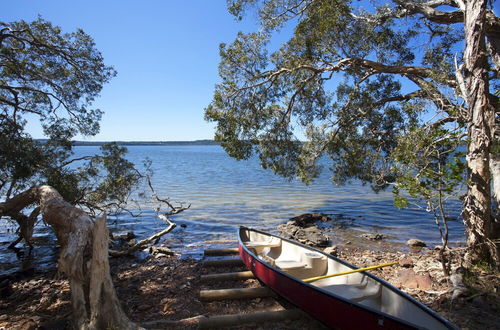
240, 293
227, 276
219, 321
221, 252
228, 320
223, 262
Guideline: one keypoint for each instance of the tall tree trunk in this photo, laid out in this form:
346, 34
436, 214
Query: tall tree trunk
83, 258
477, 204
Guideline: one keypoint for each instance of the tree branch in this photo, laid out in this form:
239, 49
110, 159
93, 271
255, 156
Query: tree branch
148, 240
406, 97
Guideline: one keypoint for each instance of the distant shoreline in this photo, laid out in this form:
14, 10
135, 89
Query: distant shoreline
145, 143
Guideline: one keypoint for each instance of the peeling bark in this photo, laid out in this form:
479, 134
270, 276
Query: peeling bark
83, 257
481, 118
495, 173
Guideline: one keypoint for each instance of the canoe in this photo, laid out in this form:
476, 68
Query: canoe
354, 301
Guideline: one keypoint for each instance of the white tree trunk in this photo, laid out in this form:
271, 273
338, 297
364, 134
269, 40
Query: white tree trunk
477, 205
83, 258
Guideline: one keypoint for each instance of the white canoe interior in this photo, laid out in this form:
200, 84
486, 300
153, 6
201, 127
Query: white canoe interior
303, 263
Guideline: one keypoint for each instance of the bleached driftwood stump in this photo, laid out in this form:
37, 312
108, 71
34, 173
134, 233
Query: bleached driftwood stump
83, 257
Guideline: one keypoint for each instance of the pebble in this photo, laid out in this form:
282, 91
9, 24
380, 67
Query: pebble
415, 243
333, 250
406, 262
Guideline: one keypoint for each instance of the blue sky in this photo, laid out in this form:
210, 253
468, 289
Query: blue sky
166, 54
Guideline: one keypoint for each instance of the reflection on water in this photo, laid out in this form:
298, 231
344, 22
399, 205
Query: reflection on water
225, 193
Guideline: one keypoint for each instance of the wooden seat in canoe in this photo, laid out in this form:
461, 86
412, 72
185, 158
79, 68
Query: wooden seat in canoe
263, 244
353, 292
286, 265
263, 247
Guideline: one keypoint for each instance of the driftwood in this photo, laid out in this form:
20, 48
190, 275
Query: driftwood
83, 257
458, 287
146, 241
219, 321
243, 293
220, 252
227, 276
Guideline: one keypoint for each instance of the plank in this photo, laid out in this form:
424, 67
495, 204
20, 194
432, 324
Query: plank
216, 322
240, 293
227, 276
220, 252
223, 262
228, 320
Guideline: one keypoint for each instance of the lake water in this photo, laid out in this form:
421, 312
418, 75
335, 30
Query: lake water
225, 193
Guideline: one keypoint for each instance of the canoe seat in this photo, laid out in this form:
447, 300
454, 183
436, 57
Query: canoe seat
290, 264
262, 244
355, 293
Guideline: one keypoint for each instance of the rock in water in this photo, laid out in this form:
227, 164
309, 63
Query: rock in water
307, 219
311, 235
373, 237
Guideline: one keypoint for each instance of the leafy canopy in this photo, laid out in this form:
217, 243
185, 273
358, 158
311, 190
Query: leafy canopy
372, 86
54, 77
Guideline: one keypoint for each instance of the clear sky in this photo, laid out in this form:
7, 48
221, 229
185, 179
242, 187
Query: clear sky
166, 53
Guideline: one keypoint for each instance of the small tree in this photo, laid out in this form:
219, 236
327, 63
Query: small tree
431, 170
55, 77
358, 80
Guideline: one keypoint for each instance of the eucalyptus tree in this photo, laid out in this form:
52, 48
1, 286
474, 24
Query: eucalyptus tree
388, 90
54, 77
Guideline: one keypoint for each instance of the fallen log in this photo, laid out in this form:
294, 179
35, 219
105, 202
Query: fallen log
219, 321
241, 293
227, 276
223, 262
220, 252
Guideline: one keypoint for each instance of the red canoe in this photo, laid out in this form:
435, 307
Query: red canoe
355, 301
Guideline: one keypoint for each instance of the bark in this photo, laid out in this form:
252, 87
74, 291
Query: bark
105, 310
495, 172
477, 204
83, 257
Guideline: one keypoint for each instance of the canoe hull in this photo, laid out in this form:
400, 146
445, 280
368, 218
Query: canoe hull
333, 311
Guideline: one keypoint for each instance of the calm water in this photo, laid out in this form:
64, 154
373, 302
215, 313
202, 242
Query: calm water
225, 193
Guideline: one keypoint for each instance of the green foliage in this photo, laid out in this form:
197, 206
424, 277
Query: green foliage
429, 164
337, 89
117, 176
54, 77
